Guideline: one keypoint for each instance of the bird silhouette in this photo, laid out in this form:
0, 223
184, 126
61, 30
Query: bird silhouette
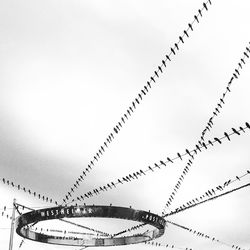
160, 68
145, 87
235, 131
164, 63
181, 39
217, 139
237, 71
179, 155
185, 32
205, 6
156, 73
137, 100
247, 124
168, 57
169, 159
163, 163
172, 50
227, 136
176, 45
200, 12
196, 18
190, 26
246, 54
198, 148
242, 129
152, 79
150, 168
242, 60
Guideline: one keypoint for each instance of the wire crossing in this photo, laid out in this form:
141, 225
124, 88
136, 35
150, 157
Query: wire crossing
209, 125
158, 165
142, 94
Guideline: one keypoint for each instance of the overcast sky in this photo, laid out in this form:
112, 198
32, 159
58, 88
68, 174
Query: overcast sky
68, 72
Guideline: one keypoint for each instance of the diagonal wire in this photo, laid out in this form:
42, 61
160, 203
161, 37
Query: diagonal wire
157, 166
138, 99
210, 123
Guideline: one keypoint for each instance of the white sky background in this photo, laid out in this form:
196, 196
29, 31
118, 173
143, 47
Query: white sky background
68, 72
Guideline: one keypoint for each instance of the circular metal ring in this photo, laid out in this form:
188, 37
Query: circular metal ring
23, 222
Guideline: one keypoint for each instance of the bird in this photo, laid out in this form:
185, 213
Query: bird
169, 159
222, 101
168, 57
196, 18
200, 12
198, 148
172, 50
176, 45
246, 54
210, 142
164, 63
190, 26
227, 136
181, 39
237, 177
247, 124
205, 6
160, 68
137, 100
235, 75
163, 163
124, 179
242, 60
217, 139
156, 165
149, 84
235, 131
242, 129
156, 73
140, 96
152, 79
150, 168
185, 32
179, 155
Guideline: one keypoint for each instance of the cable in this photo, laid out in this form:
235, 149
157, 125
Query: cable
157, 166
209, 125
144, 91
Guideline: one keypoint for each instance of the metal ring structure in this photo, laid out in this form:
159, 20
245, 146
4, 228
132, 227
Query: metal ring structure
23, 222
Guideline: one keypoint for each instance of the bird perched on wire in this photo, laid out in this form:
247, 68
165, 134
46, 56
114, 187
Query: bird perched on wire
235, 131
217, 139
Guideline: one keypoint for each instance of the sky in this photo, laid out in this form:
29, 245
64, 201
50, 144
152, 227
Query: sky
70, 69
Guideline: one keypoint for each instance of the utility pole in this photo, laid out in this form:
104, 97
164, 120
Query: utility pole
12, 225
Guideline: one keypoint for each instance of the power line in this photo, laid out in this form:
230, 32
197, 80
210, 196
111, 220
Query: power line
157, 166
143, 92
